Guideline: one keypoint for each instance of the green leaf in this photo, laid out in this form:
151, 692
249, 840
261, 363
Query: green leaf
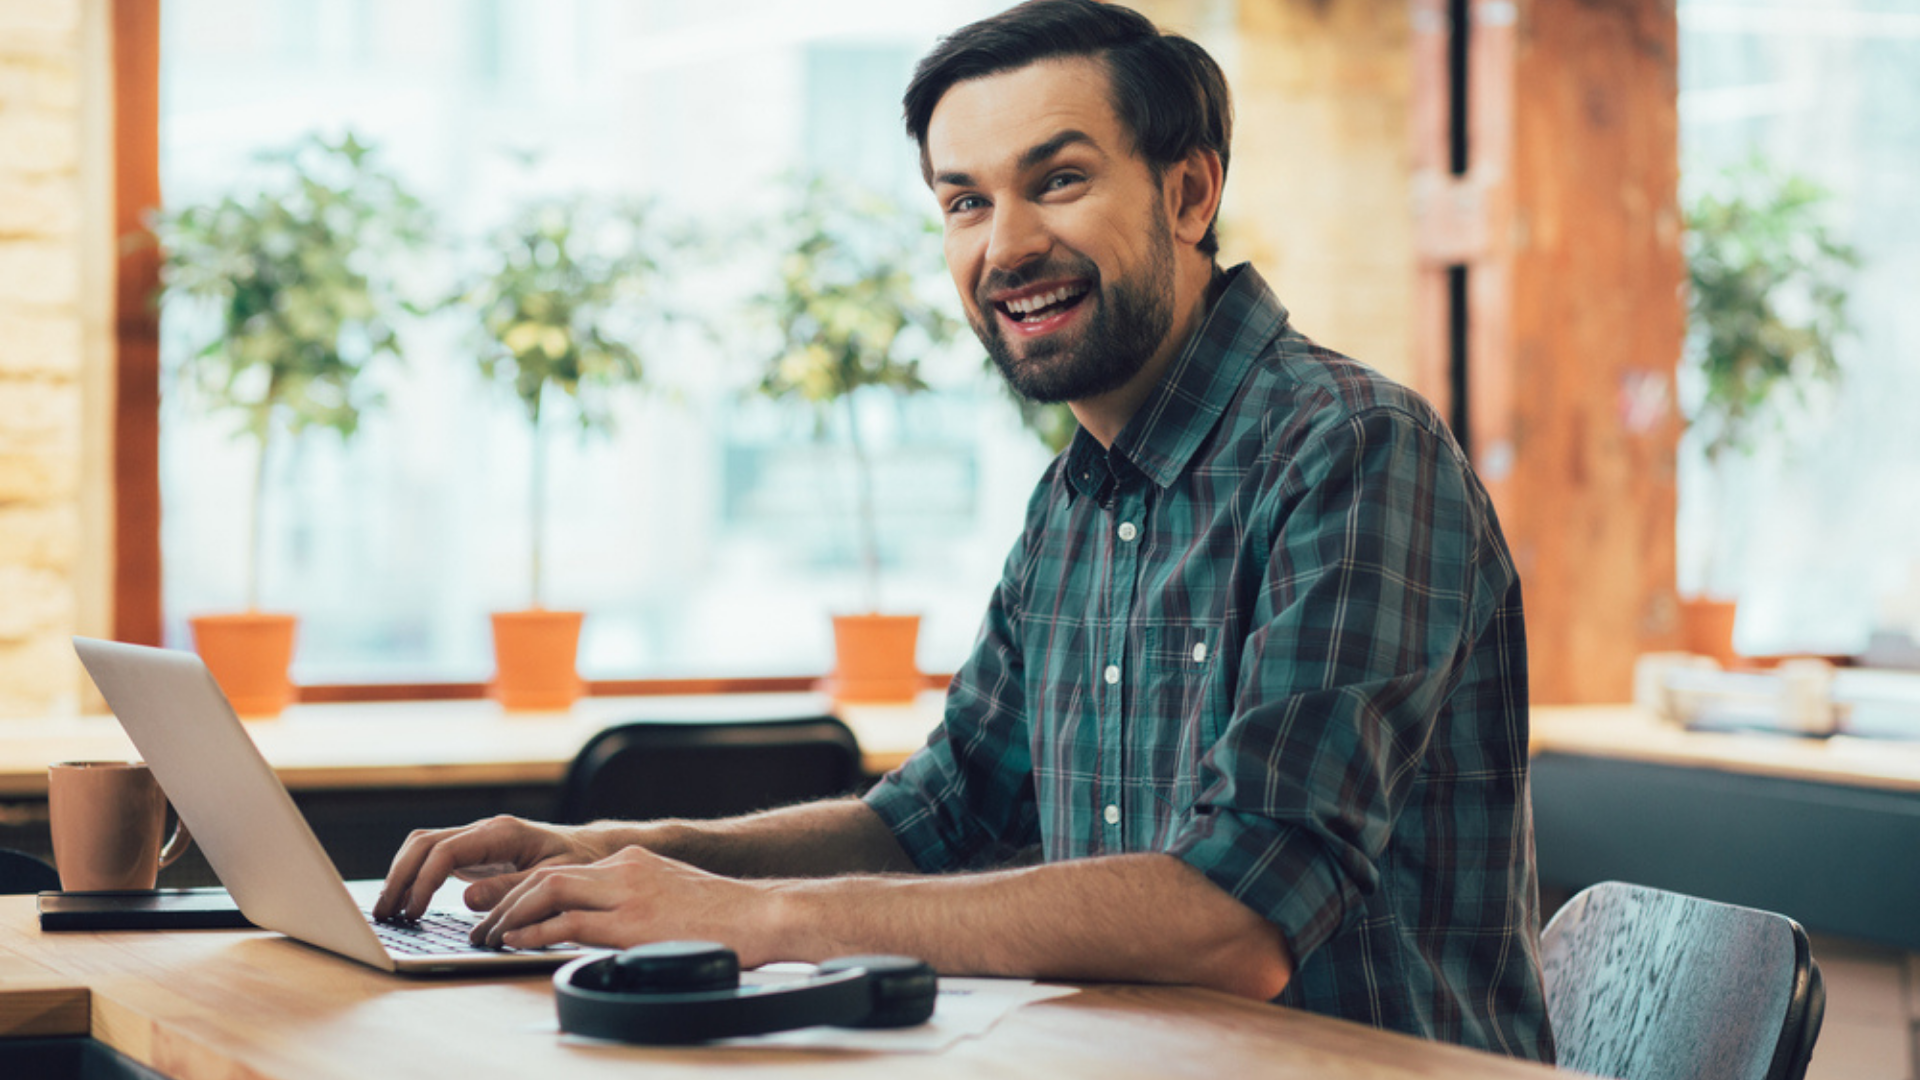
563, 299
1768, 301
281, 268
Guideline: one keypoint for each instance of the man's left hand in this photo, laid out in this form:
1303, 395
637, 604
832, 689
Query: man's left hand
629, 898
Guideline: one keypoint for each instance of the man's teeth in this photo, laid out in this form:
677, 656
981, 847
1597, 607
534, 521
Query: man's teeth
1027, 305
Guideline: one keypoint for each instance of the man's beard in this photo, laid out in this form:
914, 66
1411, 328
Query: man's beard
1130, 320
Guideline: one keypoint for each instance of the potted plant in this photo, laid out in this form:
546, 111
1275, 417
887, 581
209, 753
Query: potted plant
852, 320
1767, 302
296, 281
568, 292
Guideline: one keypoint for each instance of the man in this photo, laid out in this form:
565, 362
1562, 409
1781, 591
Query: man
1254, 679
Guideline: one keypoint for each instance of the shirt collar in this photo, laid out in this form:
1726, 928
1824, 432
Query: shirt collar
1176, 418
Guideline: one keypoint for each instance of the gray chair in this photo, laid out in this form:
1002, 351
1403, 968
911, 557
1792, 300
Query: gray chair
648, 769
1644, 984
24, 873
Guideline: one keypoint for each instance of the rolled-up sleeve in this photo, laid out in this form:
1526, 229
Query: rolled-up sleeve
1359, 631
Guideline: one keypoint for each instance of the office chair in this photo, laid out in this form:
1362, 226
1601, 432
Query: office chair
24, 873
645, 769
1644, 984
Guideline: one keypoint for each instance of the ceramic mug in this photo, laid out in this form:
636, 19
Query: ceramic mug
106, 818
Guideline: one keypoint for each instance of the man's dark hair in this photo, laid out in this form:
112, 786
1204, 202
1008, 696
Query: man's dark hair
1166, 90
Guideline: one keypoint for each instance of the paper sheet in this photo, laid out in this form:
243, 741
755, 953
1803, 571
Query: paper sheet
965, 1008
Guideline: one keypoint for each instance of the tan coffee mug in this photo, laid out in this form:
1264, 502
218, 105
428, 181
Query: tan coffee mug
106, 818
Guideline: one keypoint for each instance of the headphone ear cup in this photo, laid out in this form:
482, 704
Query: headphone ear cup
591, 973
904, 990
673, 967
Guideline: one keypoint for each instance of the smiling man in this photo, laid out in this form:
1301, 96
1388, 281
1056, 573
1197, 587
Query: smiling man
1251, 695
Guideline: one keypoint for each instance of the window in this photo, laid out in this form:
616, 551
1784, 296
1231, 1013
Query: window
1820, 540
709, 535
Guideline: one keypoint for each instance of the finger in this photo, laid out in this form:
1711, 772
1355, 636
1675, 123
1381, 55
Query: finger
576, 927
483, 931
546, 895
486, 894
406, 866
496, 894
532, 901
492, 841
484, 870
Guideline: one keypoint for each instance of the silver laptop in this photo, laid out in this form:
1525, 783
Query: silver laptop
248, 826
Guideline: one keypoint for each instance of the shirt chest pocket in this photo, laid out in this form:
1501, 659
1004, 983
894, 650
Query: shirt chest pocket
1182, 668
1180, 716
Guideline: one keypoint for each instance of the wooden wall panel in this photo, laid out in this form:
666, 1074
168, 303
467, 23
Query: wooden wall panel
1598, 320
136, 452
1316, 194
1567, 223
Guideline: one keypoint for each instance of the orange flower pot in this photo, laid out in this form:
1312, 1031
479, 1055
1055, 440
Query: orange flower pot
1706, 629
534, 653
875, 658
249, 653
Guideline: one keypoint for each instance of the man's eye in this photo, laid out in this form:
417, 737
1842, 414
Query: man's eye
1063, 180
965, 204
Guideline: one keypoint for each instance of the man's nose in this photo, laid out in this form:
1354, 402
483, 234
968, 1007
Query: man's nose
1019, 237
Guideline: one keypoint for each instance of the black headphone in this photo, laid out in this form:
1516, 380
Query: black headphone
689, 992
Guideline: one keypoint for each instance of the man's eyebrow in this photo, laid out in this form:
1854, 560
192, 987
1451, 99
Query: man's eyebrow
1041, 152
1032, 156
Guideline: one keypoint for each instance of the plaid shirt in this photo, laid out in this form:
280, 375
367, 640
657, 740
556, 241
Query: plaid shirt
1273, 632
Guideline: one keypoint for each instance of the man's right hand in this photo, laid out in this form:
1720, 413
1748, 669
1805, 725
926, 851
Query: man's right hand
494, 854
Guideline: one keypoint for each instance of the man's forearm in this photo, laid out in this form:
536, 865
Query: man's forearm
814, 882
1136, 918
819, 839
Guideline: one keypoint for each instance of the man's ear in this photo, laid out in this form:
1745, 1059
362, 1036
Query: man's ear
1193, 194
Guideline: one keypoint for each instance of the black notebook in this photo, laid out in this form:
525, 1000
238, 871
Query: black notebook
144, 909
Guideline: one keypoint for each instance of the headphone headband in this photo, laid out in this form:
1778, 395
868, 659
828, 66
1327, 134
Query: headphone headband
592, 998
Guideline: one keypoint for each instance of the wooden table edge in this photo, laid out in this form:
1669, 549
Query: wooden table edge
44, 1008
1626, 733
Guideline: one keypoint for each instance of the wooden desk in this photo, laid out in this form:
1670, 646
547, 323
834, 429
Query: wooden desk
1625, 733
1826, 831
253, 1004
416, 744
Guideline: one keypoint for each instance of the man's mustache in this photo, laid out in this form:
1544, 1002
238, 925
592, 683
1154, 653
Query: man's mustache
998, 281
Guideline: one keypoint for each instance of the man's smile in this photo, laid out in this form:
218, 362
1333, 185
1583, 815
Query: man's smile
1040, 309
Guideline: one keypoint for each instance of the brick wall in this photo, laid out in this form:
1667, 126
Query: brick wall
1319, 191
44, 332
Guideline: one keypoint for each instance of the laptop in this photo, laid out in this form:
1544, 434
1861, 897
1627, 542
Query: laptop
249, 828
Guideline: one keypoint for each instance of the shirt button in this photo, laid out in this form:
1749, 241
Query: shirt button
1113, 674
1200, 652
1128, 531
1113, 814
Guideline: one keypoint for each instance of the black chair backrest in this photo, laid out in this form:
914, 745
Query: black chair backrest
646, 769
1644, 984
24, 873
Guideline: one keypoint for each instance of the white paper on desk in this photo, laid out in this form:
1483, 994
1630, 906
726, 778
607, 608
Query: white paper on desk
965, 1008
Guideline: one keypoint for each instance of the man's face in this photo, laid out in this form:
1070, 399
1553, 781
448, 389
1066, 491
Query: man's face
1056, 230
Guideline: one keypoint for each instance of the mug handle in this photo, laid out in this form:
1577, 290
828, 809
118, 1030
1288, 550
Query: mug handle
177, 844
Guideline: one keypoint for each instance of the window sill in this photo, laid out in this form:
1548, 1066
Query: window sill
455, 743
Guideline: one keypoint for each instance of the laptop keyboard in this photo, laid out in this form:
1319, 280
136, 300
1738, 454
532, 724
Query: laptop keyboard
435, 934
